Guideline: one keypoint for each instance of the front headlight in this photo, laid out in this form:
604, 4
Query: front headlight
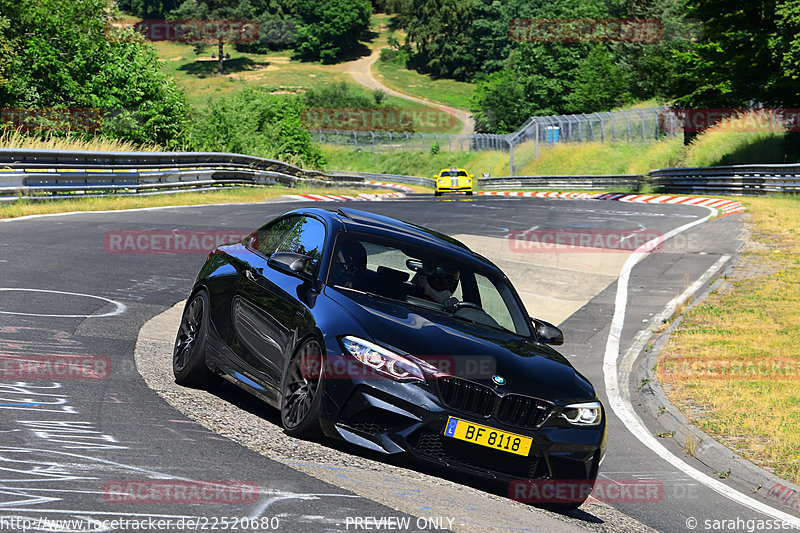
441, 181
382, 360
469, 181
583, 414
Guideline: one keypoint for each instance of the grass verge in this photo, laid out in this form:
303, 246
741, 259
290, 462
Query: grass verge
443, 91
111, 203
732, 366
561, 159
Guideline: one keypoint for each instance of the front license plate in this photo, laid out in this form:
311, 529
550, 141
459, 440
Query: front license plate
486, 436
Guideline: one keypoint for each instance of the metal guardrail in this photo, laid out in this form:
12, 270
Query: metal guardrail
25, 173
54, 172
578, 182
734, 179
397, 178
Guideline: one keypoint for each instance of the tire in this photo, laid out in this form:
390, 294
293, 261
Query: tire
437, 193
301, 392
189, 353
469, 193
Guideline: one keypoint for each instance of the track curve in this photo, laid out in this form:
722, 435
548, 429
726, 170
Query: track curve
117, 429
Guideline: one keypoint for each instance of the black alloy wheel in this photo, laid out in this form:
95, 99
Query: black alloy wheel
188, 356
302, 387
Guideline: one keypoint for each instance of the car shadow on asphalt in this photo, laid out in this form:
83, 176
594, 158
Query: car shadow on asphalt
245, 401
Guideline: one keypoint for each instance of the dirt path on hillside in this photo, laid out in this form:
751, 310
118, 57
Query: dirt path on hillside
361, 71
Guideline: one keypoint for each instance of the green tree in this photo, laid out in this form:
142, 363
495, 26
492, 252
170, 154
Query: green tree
600, 84
651, 65
747, 54
786, 45
440, 33
499, 103
6, 48
65, 54
147, 9
330, 29
215, 10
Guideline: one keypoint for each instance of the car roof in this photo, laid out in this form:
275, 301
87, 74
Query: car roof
356, 220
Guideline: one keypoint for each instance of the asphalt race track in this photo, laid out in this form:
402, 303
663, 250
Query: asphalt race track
71, 287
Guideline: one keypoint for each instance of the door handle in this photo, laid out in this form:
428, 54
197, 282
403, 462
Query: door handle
252, 275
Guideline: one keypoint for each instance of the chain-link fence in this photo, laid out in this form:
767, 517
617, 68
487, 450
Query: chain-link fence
640, 125
388, 141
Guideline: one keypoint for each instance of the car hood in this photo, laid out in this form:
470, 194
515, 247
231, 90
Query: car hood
468, 351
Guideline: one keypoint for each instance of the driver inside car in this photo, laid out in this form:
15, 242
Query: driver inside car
438, 286
350, 267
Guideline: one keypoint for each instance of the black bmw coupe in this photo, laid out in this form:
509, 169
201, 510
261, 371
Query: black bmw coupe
395, 338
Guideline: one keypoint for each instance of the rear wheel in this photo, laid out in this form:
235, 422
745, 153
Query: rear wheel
189, 354
302, 387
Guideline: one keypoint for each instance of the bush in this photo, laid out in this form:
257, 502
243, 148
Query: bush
339, 95
255, 122
395, 56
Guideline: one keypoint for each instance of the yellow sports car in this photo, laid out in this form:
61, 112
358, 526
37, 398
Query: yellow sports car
453, 180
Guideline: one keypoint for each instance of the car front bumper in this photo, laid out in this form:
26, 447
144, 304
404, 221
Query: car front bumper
467, 188
394, 418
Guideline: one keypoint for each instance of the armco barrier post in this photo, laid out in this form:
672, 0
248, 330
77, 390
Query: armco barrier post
641, 117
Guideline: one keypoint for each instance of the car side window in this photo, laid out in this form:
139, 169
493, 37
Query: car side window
307, 237
494, 304
267, 238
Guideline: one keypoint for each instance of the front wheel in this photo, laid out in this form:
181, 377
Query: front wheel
302, 388
437, 193
189, 354
469, 193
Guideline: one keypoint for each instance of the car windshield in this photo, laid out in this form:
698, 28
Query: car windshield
418, 277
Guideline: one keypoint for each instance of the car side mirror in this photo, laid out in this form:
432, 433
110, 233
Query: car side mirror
290, 262
547, 332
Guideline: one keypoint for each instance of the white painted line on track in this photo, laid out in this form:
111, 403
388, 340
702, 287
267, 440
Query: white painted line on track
119, 307
619, 397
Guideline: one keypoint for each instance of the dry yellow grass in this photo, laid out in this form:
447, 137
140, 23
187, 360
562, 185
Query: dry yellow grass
733, 366
14, 139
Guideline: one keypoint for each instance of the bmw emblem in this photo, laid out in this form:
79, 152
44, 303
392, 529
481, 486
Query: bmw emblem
498, 380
